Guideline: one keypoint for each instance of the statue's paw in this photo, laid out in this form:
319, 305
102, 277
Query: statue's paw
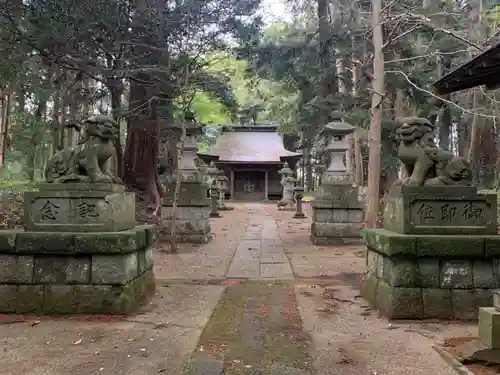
411, 182
117, 180
102, 179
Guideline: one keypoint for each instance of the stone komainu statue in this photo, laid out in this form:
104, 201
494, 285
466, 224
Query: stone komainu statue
89, 160
423, 161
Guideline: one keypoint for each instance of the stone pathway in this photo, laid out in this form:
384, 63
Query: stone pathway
256, 327
260, 255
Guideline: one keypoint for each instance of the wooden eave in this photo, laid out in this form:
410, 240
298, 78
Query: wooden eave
482, 70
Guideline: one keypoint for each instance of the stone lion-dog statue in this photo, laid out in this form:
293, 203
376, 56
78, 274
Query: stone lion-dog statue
89, 161
424, 162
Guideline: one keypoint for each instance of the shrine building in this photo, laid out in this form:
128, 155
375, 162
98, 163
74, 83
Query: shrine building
251, 157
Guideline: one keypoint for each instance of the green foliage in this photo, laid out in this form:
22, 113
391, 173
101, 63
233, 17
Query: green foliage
208, 111
493, 16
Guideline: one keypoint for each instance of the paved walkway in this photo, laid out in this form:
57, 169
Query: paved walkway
260, 254
257, 300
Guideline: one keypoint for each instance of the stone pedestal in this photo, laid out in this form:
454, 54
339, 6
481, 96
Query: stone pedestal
192, 206
337, 211
81, 253
79, 208
192, 213
437, 256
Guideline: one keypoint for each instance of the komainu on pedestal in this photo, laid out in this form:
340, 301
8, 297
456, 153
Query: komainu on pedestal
438, 253
82, 251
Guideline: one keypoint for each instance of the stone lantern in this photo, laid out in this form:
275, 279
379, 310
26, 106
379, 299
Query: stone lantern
337, 211
212, 173
336, 135
222, 181
193, 206
288, 184
299, 195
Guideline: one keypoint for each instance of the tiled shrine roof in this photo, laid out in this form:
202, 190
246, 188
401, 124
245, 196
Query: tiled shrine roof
250, 144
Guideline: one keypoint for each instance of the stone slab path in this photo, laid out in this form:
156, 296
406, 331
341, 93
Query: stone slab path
260, 255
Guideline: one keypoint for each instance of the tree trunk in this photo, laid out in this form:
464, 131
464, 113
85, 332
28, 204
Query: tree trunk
141, 149
328, 81
4, 124
444, 112
358, 159
116, 89
375, 136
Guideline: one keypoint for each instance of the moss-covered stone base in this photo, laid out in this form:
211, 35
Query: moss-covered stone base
429, 276
58, 274
339, 241
51, 299
191, 224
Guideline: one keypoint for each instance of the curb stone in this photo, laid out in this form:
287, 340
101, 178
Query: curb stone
452, 361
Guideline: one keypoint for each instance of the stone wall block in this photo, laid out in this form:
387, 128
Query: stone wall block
437, 303
492, 246
466, 302
355, 216
322, 215
149, 258
340, 216
114, 269
336, 229
42, 242
52, 269
109, 243
78, 270
400, 272
428, 272
372, 260
496, 272
8, 240
483, 275
450, 246
16, 269
8, 298
399, 303
369, 288
389, 243
29, 299
187, 227
456, 274
145, 260
90, 299
186, 213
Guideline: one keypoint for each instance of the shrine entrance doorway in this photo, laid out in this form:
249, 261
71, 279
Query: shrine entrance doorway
250, 185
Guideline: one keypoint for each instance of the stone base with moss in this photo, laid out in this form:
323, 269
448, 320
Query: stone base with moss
441, 258
80, 252
75, 273
337, 216
191, 214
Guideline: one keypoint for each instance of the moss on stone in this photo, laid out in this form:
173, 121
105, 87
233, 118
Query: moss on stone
369, 288
450, 246
389, 243
399, 303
